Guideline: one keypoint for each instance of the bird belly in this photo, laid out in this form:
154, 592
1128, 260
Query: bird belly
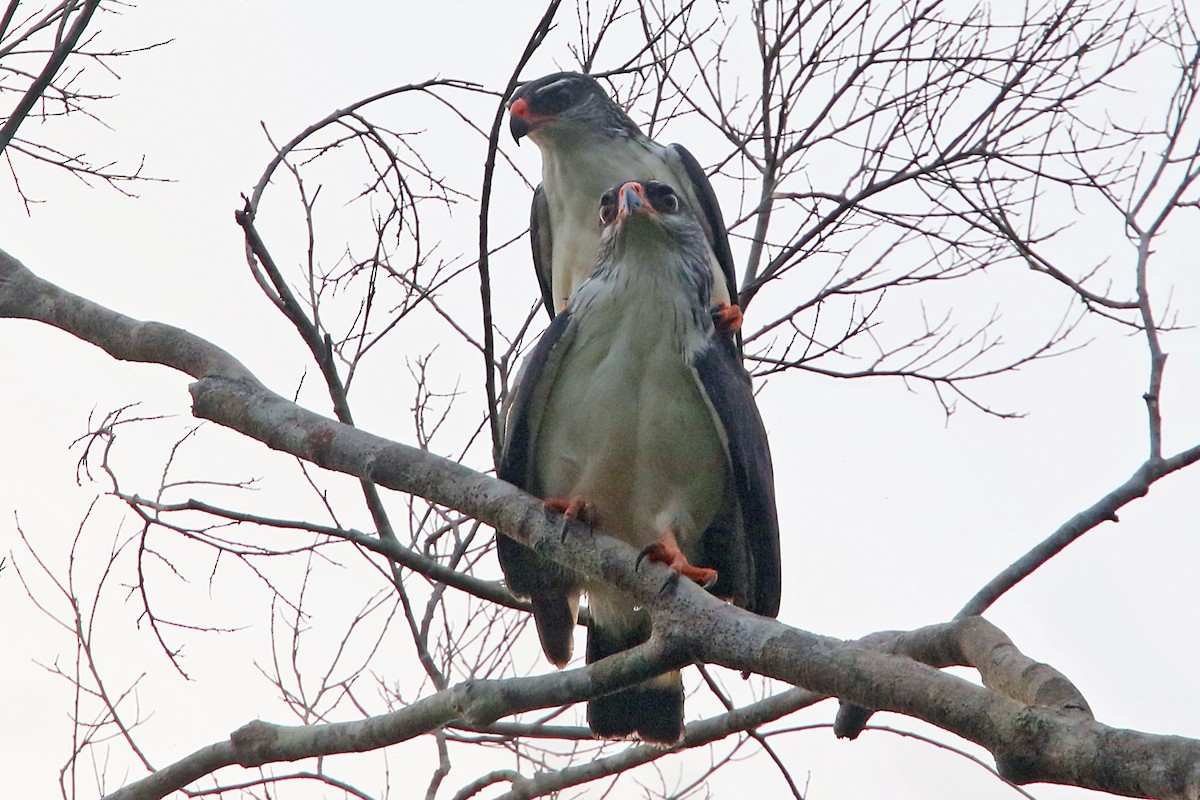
627, 428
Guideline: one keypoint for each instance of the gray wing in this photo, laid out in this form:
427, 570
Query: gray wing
709, 214
537, 378
552, 589
748, 552
541, 238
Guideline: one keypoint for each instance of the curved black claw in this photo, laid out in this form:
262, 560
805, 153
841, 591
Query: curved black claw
671, 584
643, 554
566, 511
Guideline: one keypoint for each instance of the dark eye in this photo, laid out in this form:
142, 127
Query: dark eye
662, 197
608, 208
554, 99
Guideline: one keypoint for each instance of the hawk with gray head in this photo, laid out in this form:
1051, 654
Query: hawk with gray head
636, 411
588, 144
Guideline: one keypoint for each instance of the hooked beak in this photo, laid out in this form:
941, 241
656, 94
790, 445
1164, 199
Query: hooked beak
632, 200
519, 123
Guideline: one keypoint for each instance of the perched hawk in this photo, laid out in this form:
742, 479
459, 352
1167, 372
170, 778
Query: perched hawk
637, 411
588, 144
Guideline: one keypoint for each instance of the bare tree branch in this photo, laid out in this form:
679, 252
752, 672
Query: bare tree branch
1057, 743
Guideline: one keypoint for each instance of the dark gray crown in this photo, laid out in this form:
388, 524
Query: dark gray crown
576, 98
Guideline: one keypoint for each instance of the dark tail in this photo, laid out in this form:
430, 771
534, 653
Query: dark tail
652, 709
553, 591
555, 615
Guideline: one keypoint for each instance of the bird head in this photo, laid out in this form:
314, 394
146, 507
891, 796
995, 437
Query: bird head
650, 216
565, 105
653, 201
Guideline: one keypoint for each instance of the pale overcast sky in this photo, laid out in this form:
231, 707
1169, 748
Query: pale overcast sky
892, 517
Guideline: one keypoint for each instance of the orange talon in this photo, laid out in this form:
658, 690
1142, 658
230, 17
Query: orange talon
727, 317
667, 553
573, 508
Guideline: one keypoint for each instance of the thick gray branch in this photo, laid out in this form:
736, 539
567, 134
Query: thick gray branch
23, 295
975, 642
972, 642
1031, 743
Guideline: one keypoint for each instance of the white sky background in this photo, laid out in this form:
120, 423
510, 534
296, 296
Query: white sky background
891, 518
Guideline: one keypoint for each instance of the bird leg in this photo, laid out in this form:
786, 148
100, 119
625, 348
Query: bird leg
573, 508
727, 317
666, 551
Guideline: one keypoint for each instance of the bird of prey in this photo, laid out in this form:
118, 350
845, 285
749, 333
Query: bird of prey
636, 414
588, 144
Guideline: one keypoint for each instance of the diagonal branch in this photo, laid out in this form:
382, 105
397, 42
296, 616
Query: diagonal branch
485, 203
1031, 743
1103, 510
474, 701
63, 47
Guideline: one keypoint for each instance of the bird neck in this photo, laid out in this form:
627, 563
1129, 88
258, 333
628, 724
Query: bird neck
645, 281
589, 158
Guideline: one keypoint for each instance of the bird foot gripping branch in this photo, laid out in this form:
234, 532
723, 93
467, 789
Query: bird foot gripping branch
574, 508
667, 552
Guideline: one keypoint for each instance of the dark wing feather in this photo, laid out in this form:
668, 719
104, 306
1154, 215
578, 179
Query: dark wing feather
728, 387
709, 214
551, 588
541, 238
533, 384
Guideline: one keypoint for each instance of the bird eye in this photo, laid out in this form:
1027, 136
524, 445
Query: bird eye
555, 98
670, 202
608, 209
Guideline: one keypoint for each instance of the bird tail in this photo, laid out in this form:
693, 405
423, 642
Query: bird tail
552, 590
555, 614
652, 709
